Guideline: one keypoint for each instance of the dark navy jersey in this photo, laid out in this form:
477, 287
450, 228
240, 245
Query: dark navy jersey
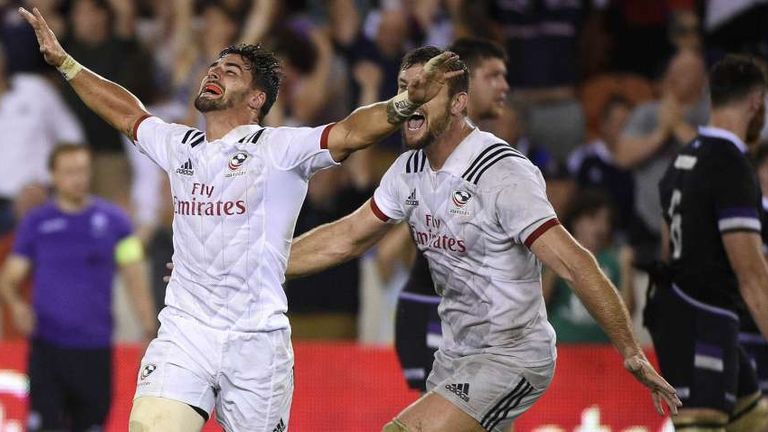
709, 190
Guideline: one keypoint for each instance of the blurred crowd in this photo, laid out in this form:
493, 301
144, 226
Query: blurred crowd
601, 93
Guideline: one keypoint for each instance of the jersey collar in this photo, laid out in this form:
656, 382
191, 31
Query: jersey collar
462, 154
240, 132
715, 132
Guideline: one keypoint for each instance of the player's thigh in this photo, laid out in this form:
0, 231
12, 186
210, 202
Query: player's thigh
434, 413
750, 414
492, 389
154, 414
256, 382
697, 348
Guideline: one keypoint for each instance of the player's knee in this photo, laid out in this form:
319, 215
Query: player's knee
700, 420
753, 415
395, 426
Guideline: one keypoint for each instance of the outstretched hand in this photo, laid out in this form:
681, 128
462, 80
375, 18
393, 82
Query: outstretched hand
436, 73
52, 51
661, 392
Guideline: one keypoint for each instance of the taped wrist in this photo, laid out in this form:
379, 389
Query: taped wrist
402, 107
69, 68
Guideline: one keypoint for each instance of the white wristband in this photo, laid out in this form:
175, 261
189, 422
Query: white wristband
69, 68
403, 106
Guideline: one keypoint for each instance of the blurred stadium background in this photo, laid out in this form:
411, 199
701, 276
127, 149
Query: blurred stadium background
590, 79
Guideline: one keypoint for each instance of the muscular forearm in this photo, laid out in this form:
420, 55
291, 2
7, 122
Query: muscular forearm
113, 103
364, 127
604, 303
319, 249
634, 150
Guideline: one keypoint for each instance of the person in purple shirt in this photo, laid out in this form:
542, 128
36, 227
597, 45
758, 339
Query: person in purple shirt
72, 246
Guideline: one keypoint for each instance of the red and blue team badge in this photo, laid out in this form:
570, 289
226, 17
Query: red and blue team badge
237, 161
460, 199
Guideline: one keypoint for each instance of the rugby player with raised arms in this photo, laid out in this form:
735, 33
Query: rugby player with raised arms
237, 188
478, 212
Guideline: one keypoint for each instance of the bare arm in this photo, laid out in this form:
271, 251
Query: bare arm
134, 276
631, 151
260, 18
15, 270
113, 103
369, 124
745, 254
334, 243
560, 252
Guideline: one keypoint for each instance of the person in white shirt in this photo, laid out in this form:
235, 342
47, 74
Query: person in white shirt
478, 212
34, 119
237, 188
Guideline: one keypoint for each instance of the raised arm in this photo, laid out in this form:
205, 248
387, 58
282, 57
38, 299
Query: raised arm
560, 252
369, 124
116, 105
336, 242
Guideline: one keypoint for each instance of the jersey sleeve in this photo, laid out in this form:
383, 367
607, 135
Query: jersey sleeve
522, 207
386, 203
301, 148
735, 194
24, 242
152, 137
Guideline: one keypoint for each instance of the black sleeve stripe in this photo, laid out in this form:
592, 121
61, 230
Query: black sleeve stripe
256, 136
198, 141
482, 155
423, 160
244, 139
186, 136
488, 161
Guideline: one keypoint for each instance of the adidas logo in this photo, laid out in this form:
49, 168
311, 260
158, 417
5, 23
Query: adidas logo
460, 390
280, 427
411, 200
186, 168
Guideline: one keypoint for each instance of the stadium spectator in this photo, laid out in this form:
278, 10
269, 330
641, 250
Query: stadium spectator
653, 133
593, 165
72, 246
35, 119
717, 272
542, 42
590, 220
103, 36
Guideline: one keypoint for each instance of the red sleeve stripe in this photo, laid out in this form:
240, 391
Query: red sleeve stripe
135, 135
324, 136
540, 230
377, 211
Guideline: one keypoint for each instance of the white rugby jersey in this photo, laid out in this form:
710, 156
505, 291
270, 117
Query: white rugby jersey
235, 201
474, 219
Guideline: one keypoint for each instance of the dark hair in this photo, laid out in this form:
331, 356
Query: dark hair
615, 100
421, 56
474, 50
63, 149
265, 71
586, 203
732, 78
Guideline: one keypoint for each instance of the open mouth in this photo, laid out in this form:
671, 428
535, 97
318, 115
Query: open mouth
212, 89
416, 121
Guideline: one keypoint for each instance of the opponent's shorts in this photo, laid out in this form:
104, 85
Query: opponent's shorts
417, 336
247, 377
698, 350
492, 388
757, 349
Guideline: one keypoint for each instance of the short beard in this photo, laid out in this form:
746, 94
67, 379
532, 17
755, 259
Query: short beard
436, 129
